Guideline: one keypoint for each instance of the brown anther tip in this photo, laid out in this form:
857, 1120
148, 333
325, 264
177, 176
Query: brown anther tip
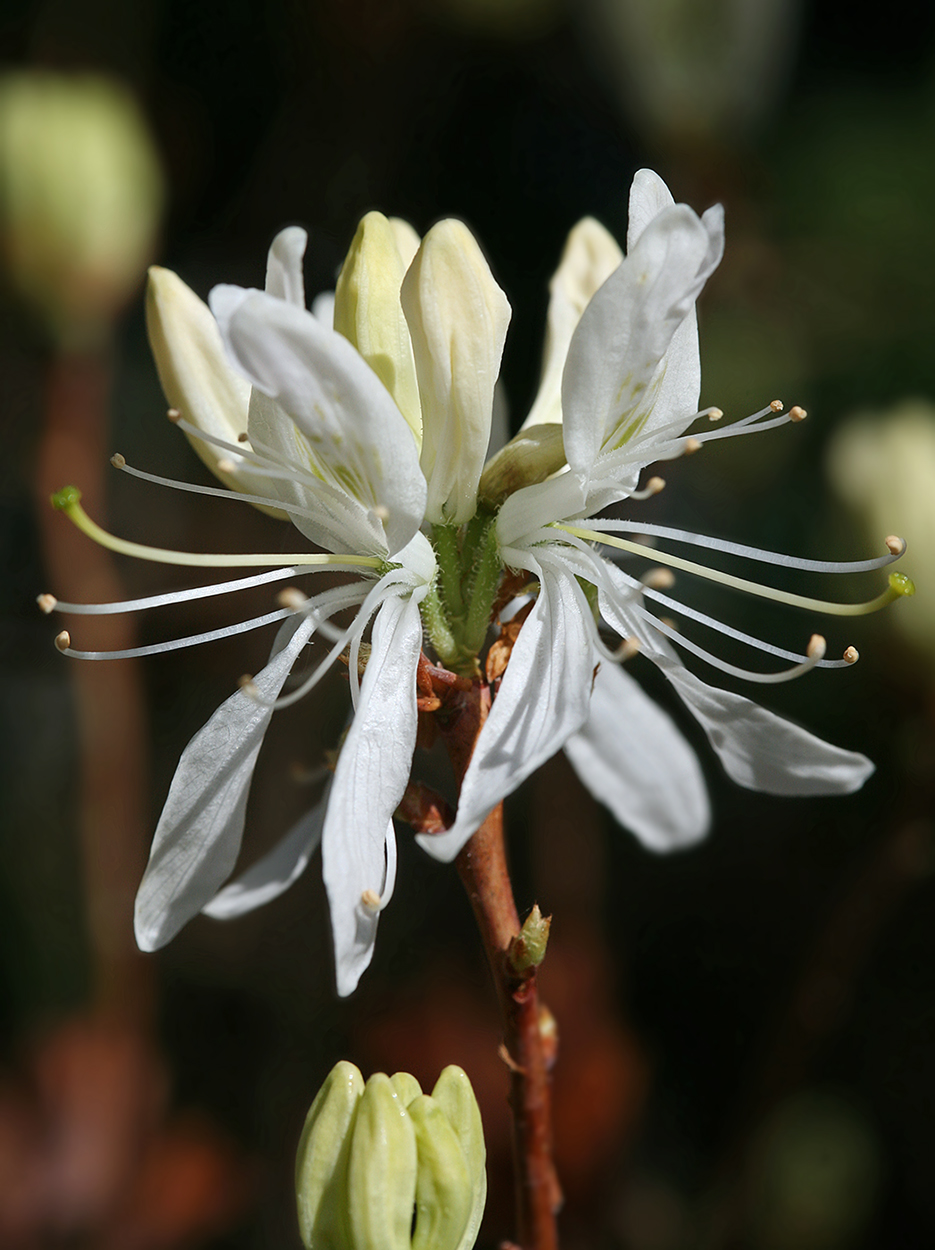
797, 414
46, 603
63, 640
243, 436
627, 650
370, 900
777, 405
118, 461
659, 579
174, 415
895, 544
715, 414
292, 598
816, 647
692, 445
656, 484
852, 655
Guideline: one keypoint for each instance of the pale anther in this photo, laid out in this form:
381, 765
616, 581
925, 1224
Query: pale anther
174, 415
658, 579
227, 466
117, 460
46, 603
370, 901
816, 647
797, 414
692, 445
627, 650
852, 655
777, 405
715, 414
63, 640
895, 544
292, 598
381, 512
247, 684
655, 485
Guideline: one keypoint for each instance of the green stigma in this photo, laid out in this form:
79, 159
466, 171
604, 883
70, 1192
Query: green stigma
65, 498
901, 585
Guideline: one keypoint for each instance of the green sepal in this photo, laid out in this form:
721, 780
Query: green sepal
322, 1160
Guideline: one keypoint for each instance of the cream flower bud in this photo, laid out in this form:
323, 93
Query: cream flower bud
196, 377
368, 313
80, 197
383, 1166
458, 319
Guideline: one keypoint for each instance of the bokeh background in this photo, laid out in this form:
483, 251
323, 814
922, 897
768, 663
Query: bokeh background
747, 1028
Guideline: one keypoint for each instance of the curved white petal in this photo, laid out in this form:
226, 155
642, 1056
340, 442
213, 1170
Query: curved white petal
284, 278
274, 873
632, 758
542, 700
372, 772
649, 195
198, 836
352, 432
761, 750
591, 255
620, 375
757, 748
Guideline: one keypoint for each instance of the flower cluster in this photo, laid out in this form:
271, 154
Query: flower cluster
365, 422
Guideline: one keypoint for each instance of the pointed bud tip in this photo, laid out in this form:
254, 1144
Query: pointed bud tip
527, 949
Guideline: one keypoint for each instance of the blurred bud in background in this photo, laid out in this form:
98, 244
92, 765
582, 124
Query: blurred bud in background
383, 1166
689, 71
81, 194
814, 1176
882, 466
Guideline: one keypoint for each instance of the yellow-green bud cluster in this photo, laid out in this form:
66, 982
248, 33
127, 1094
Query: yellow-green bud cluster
382, 1166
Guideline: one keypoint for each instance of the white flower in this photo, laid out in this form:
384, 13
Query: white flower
320, 438
622, 373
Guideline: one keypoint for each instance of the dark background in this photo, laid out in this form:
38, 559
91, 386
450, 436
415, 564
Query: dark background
748, 1028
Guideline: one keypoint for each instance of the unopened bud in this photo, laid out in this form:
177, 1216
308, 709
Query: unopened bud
527, 950
383, 1166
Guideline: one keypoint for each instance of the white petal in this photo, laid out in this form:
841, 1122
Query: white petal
350, 426
284, 266
372, 772
591, 255
323, 308
632, 757
542, 700
198, 836
458, 319
757, 748
274, 873
761, 750
649, 195
616, 377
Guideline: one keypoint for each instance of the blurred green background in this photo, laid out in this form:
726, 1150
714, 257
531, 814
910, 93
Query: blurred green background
748, 1029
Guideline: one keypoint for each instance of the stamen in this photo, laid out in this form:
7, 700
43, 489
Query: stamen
797, 414
174, 416
652, 487
776, 405
899, 584
292, 598
895, 546
248, 685
815, 651
715, 414
243, 437
370, 901
49, 603
659, 579
174, 644
628, 648
63, 641
851, 655
67, 501
692, 445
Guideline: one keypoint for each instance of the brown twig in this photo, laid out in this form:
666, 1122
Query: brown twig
482, 866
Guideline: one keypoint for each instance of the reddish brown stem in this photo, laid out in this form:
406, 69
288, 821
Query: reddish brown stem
483, 869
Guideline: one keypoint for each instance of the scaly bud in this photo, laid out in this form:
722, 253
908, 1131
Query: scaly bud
383, 1166
527, 950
